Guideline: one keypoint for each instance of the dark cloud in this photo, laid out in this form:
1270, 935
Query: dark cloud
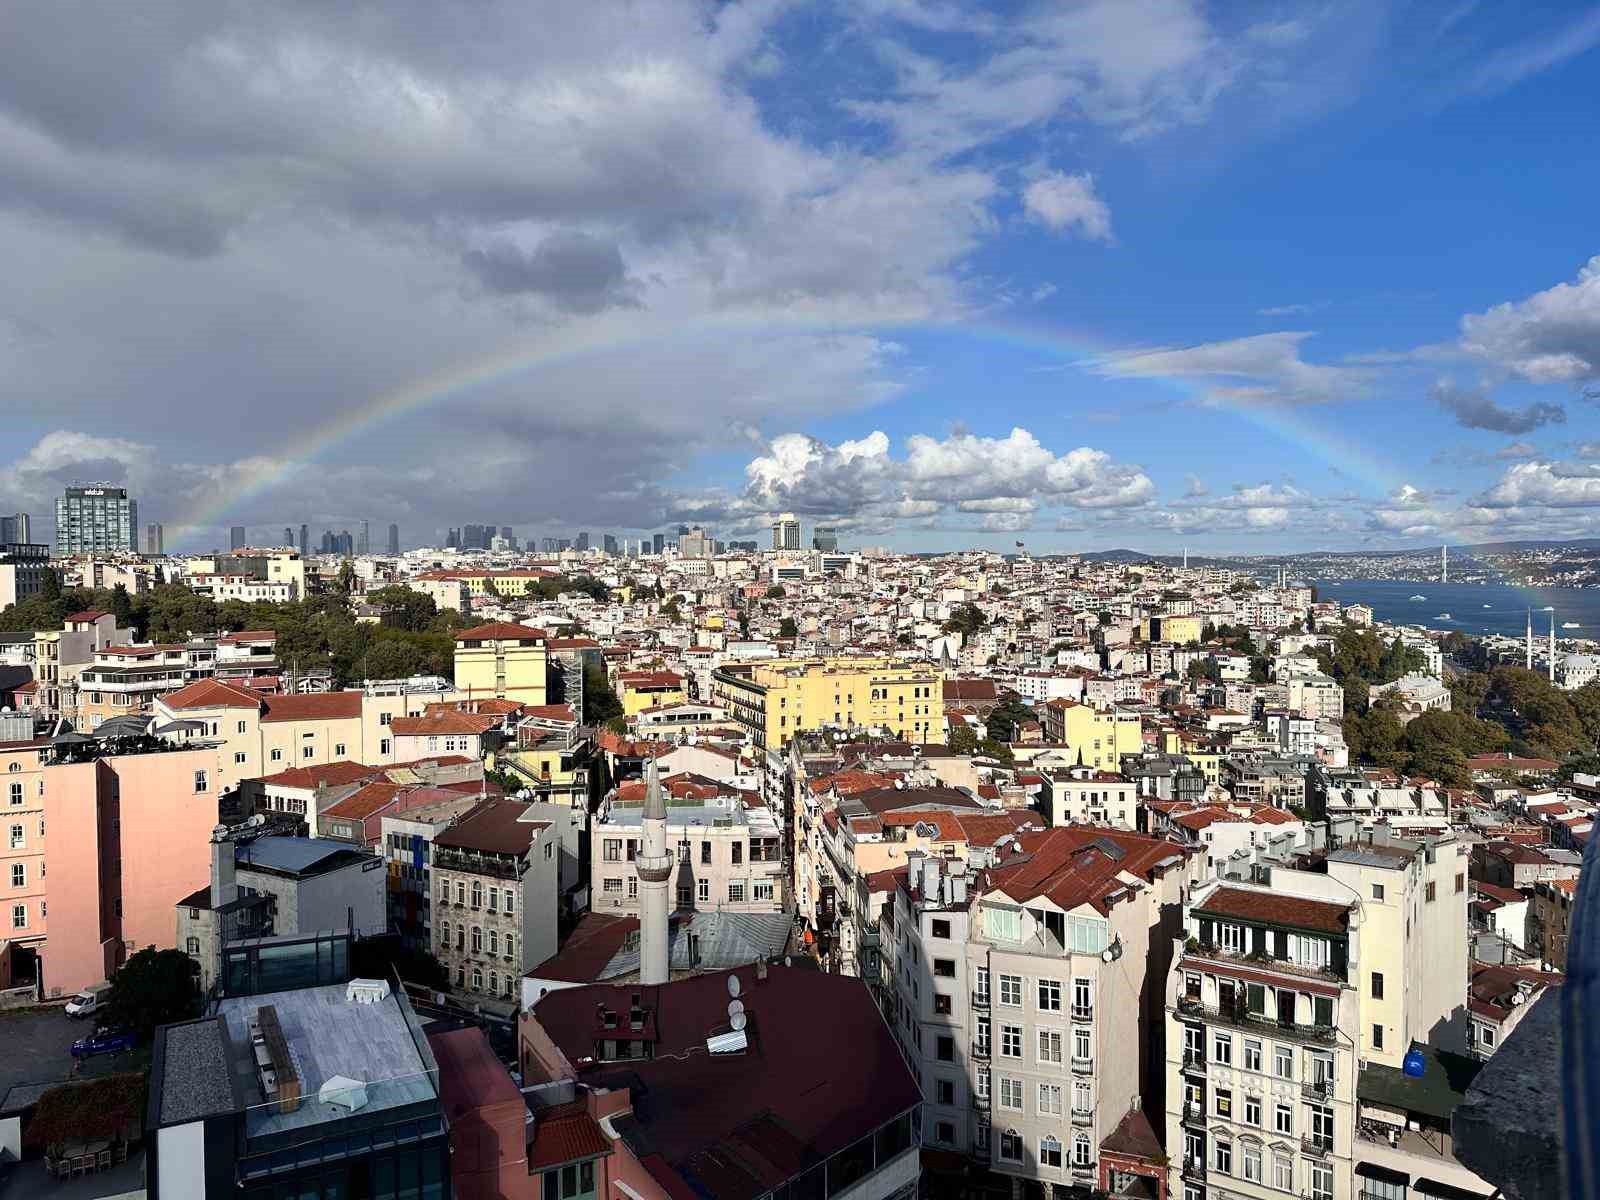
576, 271
1475, 409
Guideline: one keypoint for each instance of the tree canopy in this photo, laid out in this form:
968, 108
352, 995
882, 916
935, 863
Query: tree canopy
966, 619
154, 987
1006, 718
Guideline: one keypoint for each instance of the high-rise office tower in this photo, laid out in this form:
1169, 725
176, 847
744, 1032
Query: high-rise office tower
155, 541
693, 543
288, 537
608, 543
472, 538
582, 541
658, 543
236, 537
394, 539
786, 532
505, 532
364, 539
16, 530
94, 518
825, 538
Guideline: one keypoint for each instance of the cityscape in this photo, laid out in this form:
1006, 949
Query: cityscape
1040, 637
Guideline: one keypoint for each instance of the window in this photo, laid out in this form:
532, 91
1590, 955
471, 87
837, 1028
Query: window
685, 896
737, 849
944, 968
18, 837
1252, 1110
308, 751
1049, 995
1011, 1041
511, 945
276, 756
494, 942
494, 899
611, 887
981, 1142
1011, 1146
477, 894
1222, 1049
1231, 937
761, 890
383, 745
1431, 892
1011, 1093
338, 749
477, 940
477, 979
1082, 1152
946, 1092
1321, 1125
1283, 1062
1083, 998
1377, 891
1050, 1099
1049, 1045
511, 902
1321, 1181
241, 727
980, 986
201, 782
1003, 924
703, 890
1049, 1151
19, 875
1224, 1157
940, 928
1011, 990
980, 1087
1283, 1172
1486, 1036
1082, 1044
944, 1131
193, 947
1222, 1102
941, 1005
1283, 1119
1082, 1096
611, 850
980, 1038
1377, 985
1377, 1037
16, 792
1251, 1158
1252, 1055
1461, 881
19, 916
736, 892
945, 1049
461, 892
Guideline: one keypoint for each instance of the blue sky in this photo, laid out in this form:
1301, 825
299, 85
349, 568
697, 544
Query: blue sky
1151, 273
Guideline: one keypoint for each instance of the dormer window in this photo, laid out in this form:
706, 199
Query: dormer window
1231, 937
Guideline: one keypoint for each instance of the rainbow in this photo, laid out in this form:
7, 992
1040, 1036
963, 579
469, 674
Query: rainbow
622, 334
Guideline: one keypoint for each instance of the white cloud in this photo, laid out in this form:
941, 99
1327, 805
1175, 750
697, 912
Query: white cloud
1511, 64
1552, 336
1065, 202
1264, 369
1547, 484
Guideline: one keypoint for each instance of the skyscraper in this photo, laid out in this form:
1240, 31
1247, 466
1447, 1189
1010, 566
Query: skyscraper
17, 530
288, 537
364, 539
582, 542
694, 543
305, 541
658, 543
155, 541
472, 538
825, 538
786, 532
95, 518
236, 537
608, 543
394, 539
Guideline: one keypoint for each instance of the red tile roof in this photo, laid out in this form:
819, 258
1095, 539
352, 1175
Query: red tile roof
249, 635
213, 693
565, 1133
499, 631
326, 706
1070, 865
88, 614
470, 1076
1277, 909
495, 826
334, 774
441, 724
593, 942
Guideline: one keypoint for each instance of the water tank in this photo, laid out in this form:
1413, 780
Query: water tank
1415, 1064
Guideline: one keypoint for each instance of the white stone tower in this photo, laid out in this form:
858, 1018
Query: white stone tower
654, 864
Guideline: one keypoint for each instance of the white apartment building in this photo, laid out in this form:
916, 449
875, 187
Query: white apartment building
1018, 994
1084, 796
730, 857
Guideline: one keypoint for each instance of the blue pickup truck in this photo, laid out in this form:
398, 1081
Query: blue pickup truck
103, 1042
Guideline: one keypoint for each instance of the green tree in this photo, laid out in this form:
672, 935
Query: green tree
154, 987
966, 619
405, 608
122, 606
1204, 668
345, 583
1005, 719
1260, 670
600, 703
775, 592
788, 629
50, 585
963, 740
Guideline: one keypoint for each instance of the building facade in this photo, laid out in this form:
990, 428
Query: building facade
96, 519
774, 700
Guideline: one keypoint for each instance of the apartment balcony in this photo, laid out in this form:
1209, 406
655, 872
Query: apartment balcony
1082, 1066
1194, 1061
980, 1000
1315, 1147
980, 1053
1318, 1093
1083, 1116
1194, 1114
981, 1103
1194, 1168
1239, 1018
1083, 1013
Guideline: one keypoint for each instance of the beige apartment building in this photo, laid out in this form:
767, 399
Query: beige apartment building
502, 661
1023, 1005
1085, 796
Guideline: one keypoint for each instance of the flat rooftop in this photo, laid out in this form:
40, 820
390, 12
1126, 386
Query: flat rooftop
327, 1035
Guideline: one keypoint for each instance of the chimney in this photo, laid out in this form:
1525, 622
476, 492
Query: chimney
223, 888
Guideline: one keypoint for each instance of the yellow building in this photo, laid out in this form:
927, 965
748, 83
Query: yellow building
775, 699
1202, 753
557, 765
515, 581
1178, 631
505, 661
639, 690
1101, 737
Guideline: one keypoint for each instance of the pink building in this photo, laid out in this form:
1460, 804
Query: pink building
102, 849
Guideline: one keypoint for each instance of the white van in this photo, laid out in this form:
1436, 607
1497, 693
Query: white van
89, 1001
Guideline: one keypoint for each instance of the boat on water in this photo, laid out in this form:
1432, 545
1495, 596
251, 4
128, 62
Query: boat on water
1419, 597
1571, 625
1486, 606
1444, 617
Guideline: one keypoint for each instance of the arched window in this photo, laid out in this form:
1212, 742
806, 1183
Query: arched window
1081, 1150
477, 939
494, 983
511, 945
15, 766
494, 942
477, 979
477, 894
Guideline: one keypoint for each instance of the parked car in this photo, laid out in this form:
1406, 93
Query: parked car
89, 1001
103, 1042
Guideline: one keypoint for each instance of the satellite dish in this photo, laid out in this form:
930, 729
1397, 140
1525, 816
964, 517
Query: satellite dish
735, 1007
733, 985
738, 1021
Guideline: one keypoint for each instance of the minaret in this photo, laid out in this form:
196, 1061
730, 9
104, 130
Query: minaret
1444, 564
654, 865
1529, 663
1552, 663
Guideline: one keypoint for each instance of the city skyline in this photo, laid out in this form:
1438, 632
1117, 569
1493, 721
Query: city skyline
933, 278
